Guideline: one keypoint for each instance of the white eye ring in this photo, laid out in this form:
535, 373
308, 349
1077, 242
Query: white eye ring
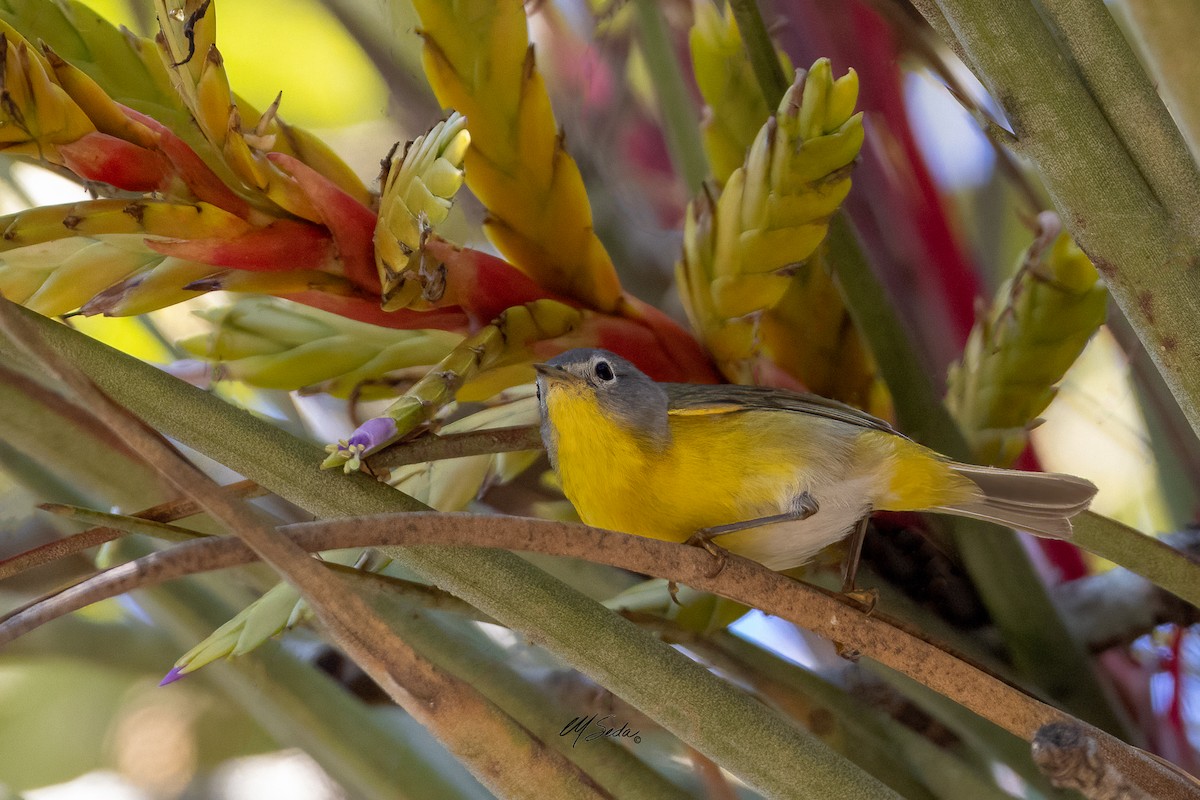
604, 371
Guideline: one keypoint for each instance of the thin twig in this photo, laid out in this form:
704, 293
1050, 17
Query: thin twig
824, 613
433, 447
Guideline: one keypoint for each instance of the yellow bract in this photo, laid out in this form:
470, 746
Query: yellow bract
751, 280
275, 344
478, 60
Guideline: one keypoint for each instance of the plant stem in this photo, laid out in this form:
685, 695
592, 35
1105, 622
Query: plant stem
679, 118
1167, 31
761, 51
1148, 556
1130, 102
919, 409
434, 447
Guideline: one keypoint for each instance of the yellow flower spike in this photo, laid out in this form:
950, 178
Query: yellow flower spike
417, 193
752, 285
157, 286
315, 153
1038, 325
188, 50
478, 61
187, 29
75, 280
736, 108
37, 113
813, 104
273, 283
301, 366
117, 216
259, 173
229, 345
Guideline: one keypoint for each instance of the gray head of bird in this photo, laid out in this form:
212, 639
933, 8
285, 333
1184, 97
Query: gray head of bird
625, 394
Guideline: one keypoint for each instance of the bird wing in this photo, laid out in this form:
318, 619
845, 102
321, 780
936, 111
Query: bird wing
686, 399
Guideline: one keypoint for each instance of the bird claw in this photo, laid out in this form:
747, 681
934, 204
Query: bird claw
866, 599
703, 539
847, 652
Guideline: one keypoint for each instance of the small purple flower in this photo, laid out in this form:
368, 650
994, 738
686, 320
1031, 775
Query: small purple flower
372, 434
175, 674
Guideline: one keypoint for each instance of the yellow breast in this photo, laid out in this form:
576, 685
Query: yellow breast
715, 470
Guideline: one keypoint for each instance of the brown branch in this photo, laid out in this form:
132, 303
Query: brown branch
501, 754
822, 612
434, 447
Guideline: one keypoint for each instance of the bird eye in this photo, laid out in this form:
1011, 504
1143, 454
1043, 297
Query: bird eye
604, 371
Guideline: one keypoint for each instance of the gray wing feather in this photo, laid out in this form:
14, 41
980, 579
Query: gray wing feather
684, 396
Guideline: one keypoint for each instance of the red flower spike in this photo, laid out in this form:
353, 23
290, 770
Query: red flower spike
681, 348
283, 245
366, 309
192, 170
481, 284
107, 159
350, 222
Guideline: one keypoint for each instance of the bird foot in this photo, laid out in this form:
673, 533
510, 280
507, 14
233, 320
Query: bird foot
704, 539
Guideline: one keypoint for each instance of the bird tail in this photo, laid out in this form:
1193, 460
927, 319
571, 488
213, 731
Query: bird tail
1041, 503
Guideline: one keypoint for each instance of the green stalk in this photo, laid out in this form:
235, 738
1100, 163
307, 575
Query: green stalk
1167, 31
1130, 102
478, 660
919, 408
722, 722
1148, 556
1097, 187
679, 118
760, 51
996, 560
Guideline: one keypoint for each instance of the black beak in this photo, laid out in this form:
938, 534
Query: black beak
553, 372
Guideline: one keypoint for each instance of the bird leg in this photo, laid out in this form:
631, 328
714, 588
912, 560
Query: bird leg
804, 505
864, 597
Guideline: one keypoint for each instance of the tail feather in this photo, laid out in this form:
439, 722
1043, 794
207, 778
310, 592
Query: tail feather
1041, 503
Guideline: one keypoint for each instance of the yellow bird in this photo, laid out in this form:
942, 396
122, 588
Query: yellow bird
771, 474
